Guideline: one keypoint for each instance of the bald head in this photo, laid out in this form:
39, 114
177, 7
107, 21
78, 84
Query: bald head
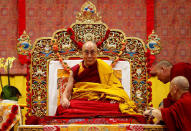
89, 44
161, 64
89, 52
164, 63
178, 86
181, 82
162, 71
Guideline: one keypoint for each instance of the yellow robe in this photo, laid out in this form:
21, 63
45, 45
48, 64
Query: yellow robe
110, 88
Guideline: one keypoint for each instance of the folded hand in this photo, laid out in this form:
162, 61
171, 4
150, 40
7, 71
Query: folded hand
65, 102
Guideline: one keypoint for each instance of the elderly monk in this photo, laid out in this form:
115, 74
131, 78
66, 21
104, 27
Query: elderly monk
93, 90
177, 116
165, 72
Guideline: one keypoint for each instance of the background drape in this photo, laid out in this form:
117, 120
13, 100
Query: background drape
172, 23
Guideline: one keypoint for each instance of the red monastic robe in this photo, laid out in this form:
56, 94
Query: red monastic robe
79, 107
89, 74
179, 69
178, 116
93, 108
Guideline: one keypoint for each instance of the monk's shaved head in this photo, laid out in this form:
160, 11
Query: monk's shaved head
162, 70
178, 86
181, 82
89, 52
89, 44
164, 63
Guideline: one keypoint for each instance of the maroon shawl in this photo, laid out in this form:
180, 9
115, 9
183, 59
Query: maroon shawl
178, 116
179, 69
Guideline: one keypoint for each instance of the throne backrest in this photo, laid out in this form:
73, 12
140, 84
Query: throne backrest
113, 45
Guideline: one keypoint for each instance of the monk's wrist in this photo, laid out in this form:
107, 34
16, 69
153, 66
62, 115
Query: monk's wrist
157, 114
151, 113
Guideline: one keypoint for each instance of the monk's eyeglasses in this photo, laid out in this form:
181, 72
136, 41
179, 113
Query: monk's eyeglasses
92, 52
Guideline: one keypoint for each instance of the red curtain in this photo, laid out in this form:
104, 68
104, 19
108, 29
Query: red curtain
21, 17
150, 16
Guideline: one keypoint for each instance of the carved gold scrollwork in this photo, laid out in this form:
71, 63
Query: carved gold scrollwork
88, 14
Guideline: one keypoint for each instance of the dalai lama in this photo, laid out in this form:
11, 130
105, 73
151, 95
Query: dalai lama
93, 90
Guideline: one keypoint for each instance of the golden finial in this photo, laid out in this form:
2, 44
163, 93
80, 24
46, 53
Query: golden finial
88, 14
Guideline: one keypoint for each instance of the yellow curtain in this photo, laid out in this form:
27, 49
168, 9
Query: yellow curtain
20, 83
159, 91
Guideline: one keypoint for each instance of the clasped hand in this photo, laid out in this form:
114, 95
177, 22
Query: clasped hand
65, 102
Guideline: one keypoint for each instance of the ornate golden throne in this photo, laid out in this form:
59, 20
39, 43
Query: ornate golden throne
112, 44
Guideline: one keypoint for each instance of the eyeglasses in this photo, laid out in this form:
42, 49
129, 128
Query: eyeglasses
92, 52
